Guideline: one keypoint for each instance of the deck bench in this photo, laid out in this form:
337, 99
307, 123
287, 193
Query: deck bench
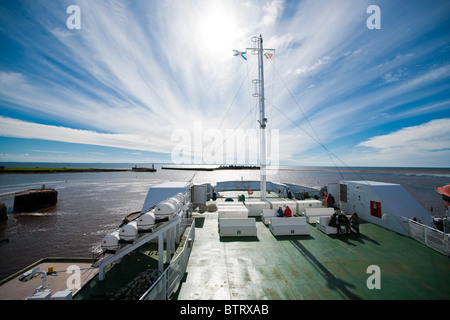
233, 212
323, 226
283, 204
301, 205
237, 227
268, 214
282, 226
255, 208
313, 214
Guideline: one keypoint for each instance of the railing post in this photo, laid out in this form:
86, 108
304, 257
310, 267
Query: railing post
425, 235
161, 252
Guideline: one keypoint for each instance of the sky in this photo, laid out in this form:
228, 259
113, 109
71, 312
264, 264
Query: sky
150, 81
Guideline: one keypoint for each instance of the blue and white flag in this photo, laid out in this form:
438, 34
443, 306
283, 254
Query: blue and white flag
240, 53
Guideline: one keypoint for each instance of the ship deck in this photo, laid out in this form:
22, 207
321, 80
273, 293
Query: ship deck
13, 289
318, 266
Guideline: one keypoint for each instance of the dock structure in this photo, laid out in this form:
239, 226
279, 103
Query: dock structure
35, 199
3, 213
32, 199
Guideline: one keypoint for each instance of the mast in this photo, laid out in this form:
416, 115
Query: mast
258, 49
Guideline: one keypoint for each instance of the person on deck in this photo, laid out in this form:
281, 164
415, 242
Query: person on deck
354, 222
280, 212
287, 212
333, 221
330, 201
343, 221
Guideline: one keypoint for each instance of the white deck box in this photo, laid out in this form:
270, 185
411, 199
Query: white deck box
268, 214
237, 227
255, 208
313, 214
303, 204
233, 212
283, 226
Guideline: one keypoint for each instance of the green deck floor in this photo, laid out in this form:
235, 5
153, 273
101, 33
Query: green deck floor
318, 266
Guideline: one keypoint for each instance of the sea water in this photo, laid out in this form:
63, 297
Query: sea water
93, 204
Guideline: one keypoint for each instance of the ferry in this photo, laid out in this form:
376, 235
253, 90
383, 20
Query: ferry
228, 241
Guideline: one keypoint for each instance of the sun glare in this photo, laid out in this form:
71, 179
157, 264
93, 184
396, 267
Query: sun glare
218, 31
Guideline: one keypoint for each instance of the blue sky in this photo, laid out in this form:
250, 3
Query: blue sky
142, 80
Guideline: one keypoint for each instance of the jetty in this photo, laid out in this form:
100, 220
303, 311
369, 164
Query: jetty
3, 214
143, 169
32, 199
35, 199
20, 170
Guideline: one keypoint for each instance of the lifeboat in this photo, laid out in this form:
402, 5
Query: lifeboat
445, 194
129, 232
165, 211
181, 198
176, 202
146, 222
110, 243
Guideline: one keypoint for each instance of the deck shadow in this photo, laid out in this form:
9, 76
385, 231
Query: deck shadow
239, 239
334, 283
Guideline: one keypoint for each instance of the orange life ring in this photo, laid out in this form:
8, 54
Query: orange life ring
250, 191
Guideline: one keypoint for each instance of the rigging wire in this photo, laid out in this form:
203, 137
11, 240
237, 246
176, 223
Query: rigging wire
223, 119
226, 138
317, 138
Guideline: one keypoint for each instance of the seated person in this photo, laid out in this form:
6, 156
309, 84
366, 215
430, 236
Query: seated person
333, 221
354, 222
280, 212
287, 212
343, 221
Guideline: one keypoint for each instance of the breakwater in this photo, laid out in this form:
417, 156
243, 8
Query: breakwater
35, 199
3, 213
55, 170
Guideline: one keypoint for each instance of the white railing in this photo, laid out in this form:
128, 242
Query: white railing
170, 279
430, 237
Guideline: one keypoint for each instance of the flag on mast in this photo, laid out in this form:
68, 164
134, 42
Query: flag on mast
269, 56
239, 53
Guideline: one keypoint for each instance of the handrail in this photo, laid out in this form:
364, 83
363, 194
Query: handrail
164, 277
431, 237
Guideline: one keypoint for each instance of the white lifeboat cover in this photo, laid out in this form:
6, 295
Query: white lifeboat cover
111, 241
165, 208
129, 231
180, 197
176, 202
146, 220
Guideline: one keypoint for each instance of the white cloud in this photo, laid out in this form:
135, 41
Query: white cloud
412, 145
433, 135
28, 130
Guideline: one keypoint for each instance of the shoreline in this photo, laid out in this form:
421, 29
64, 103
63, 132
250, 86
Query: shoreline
367, 171
55, 170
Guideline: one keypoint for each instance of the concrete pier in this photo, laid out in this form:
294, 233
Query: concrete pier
35, 199
3, 215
